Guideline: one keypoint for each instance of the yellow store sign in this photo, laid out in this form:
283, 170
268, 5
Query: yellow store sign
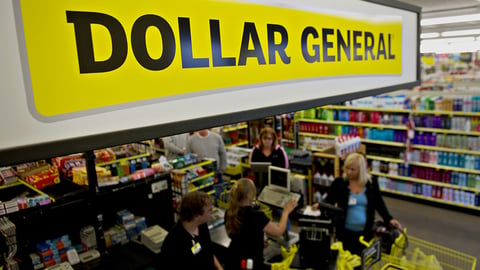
93, 54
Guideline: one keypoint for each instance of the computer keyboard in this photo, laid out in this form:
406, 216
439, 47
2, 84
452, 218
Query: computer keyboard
275, 197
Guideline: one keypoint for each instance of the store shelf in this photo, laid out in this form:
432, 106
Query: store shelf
449, 168
429, 199
448, 131
123, 159
397, 144
445, 149
196, 165
205, 176
36, 190
192, 187
422, 181
451, 113
313, 149
316, 135
417, 112
241, 143
395, 160
336, 107
355, 124
234, 128
17, 183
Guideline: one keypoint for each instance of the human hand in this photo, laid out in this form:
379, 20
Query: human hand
289, 206
315, 206
396, 224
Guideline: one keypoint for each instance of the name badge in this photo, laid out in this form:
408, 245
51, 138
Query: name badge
196, 248
352, 201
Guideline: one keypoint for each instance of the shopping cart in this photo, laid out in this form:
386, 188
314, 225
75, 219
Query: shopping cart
409, 252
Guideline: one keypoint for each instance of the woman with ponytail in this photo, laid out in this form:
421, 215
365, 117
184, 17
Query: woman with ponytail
246, 226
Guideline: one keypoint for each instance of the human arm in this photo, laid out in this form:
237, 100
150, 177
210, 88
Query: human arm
284, 156
222, 154
277, 229
381, 207
217, 263
170, 145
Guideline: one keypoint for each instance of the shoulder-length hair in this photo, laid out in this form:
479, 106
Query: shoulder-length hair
363, 175
267, 131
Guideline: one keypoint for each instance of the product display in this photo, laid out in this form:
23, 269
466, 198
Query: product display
421, 146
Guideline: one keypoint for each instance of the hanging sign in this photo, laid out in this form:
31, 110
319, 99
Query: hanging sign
86, 55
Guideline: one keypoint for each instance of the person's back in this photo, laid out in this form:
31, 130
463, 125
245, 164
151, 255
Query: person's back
248, 242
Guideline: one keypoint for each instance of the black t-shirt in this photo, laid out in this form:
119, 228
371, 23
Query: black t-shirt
248, 243
277, 158
181, 250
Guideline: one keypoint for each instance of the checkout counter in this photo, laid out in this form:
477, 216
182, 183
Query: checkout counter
314, 240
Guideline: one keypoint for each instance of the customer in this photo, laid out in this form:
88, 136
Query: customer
188, 244
206, 144
358, 194
175, 145
246, 226
269, 150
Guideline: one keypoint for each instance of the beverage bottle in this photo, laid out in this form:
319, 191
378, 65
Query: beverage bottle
133, 166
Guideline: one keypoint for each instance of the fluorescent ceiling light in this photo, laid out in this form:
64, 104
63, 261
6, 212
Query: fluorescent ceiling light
448, 40
429, 35
461, 33
451, 19
471, 46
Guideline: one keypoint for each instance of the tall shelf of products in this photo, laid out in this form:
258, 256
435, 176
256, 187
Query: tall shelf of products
428, 151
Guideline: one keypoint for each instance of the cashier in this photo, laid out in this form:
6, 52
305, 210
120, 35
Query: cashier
188, 244
246, 227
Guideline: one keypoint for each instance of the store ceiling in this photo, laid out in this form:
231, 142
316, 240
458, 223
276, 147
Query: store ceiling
444, 8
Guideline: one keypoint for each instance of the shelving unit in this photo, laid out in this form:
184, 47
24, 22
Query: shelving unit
465, 182
235, 135
189, 180
73, 207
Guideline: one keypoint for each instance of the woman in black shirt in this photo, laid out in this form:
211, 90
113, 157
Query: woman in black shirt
246, 226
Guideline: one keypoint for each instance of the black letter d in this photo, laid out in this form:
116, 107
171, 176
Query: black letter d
83, 34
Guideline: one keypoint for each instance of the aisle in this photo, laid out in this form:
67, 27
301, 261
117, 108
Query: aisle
445, 227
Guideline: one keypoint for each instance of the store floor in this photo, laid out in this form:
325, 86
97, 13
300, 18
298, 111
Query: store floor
448, 228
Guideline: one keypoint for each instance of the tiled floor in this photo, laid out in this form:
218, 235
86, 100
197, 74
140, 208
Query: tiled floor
452, 229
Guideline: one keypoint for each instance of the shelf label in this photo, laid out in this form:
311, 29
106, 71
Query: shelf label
103, 54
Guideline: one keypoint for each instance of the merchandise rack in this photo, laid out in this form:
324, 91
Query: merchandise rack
398, 147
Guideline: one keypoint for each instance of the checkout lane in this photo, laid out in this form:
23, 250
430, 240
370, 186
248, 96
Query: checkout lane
313, 240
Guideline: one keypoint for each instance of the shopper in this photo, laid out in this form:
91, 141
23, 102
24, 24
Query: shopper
175, 145
206, 144
246, 226
358, 194
188, 244
269, 150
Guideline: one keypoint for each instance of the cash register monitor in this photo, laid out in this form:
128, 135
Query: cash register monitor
279, 178
260, 171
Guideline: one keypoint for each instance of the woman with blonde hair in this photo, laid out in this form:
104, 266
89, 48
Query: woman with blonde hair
358, 194
246, 226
